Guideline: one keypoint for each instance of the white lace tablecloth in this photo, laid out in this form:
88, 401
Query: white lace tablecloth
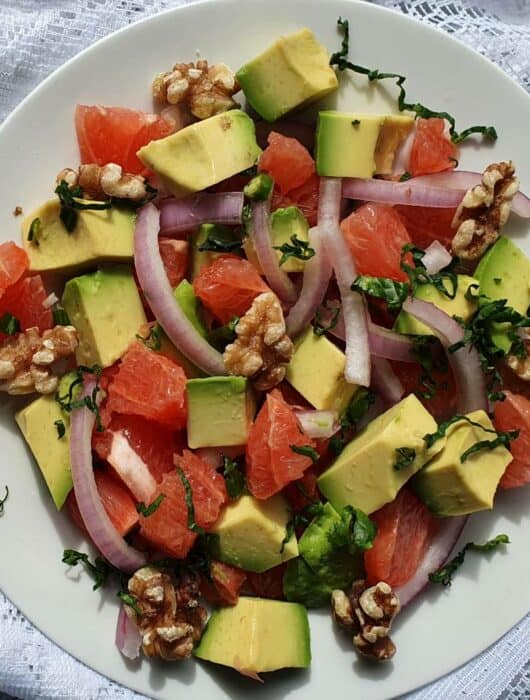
36, 36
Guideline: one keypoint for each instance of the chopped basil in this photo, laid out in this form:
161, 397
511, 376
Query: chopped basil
340, 59
394, 293
503, 438
60, 317
355, 531
406, 176
357, 409
297, 248
405, 456
60, 427
4, 499
326, 318
130, 600
445, 281
67, 401
153, 340
356, 122
444, 575
301, 519
9, 324
35, 231
188, 495
146, 511
100, 570
216, 244
69, 198
497, 280
234, 478
306, 451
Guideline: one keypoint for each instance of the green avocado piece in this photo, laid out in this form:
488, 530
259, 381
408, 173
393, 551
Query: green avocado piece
303, 585
257, 636
204, 153
202, 258
106, 309
99, 236
189, 304
259, 188
460, 306
504, 273
37, 423
364, 474
291, 73
250, 533
220, 411
449, 487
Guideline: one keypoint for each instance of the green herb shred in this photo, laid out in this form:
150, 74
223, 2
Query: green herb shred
394, 293
69, 198
326, 318
355, 531
67, 401
405, 456
153, 340
9, 324
60, 317
444, 575
406, 176
501, 438
297, 248
306, 451
60, 428
146, 511
188, 495
100, 570
4, 499
234, 478
128, 599
340, 59
216, 244
35, 231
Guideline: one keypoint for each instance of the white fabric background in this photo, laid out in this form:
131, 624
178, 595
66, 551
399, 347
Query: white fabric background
36, 36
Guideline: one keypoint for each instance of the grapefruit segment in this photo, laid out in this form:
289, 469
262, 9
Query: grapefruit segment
432, 149
514, 414
288, 162
13, 264
175, 256
24, 300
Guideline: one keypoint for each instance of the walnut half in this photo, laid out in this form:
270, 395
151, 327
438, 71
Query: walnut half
170, 618
26, 360
206, 90
103, 181
484, 211
262, 348
367, 614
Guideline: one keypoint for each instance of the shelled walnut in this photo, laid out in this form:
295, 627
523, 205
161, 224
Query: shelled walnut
262, 348
367, 614
104, 181
169, 617
26, 360
206, 90
484, 210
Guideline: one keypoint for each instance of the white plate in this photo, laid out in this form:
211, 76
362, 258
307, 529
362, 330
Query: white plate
446, 627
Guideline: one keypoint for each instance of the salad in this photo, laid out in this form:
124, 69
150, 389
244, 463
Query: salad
285, 361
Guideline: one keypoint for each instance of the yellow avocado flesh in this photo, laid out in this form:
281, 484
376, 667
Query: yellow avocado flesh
99, 236
52, 453
363, 475
204, 153
257, 635
290, 74
459, 306
251, 531
107, 311
349, 144
449, 487
316, 371
504, 273
285, 223
220, 411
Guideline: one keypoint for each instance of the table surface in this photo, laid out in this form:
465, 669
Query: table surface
37, 36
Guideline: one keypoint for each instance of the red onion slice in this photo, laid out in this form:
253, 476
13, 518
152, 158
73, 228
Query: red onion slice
131, 468
98, 524
436, 258
278, 280
465, 362
443, 190
177, 116
390, 345
155, 285
357, 369
318, 424
317, 272
206, 207
128, 637
50, 300
436, 555
385, 381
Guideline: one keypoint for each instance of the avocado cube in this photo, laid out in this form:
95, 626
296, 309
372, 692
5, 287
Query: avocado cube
202, 258
461, 305
106, 309
291, 73
37, 424
250, 533
188, 302
220, 411
316, 371
204, 153
449, 487
257, 635
321, 567
504, 273
99, 236
364, 474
